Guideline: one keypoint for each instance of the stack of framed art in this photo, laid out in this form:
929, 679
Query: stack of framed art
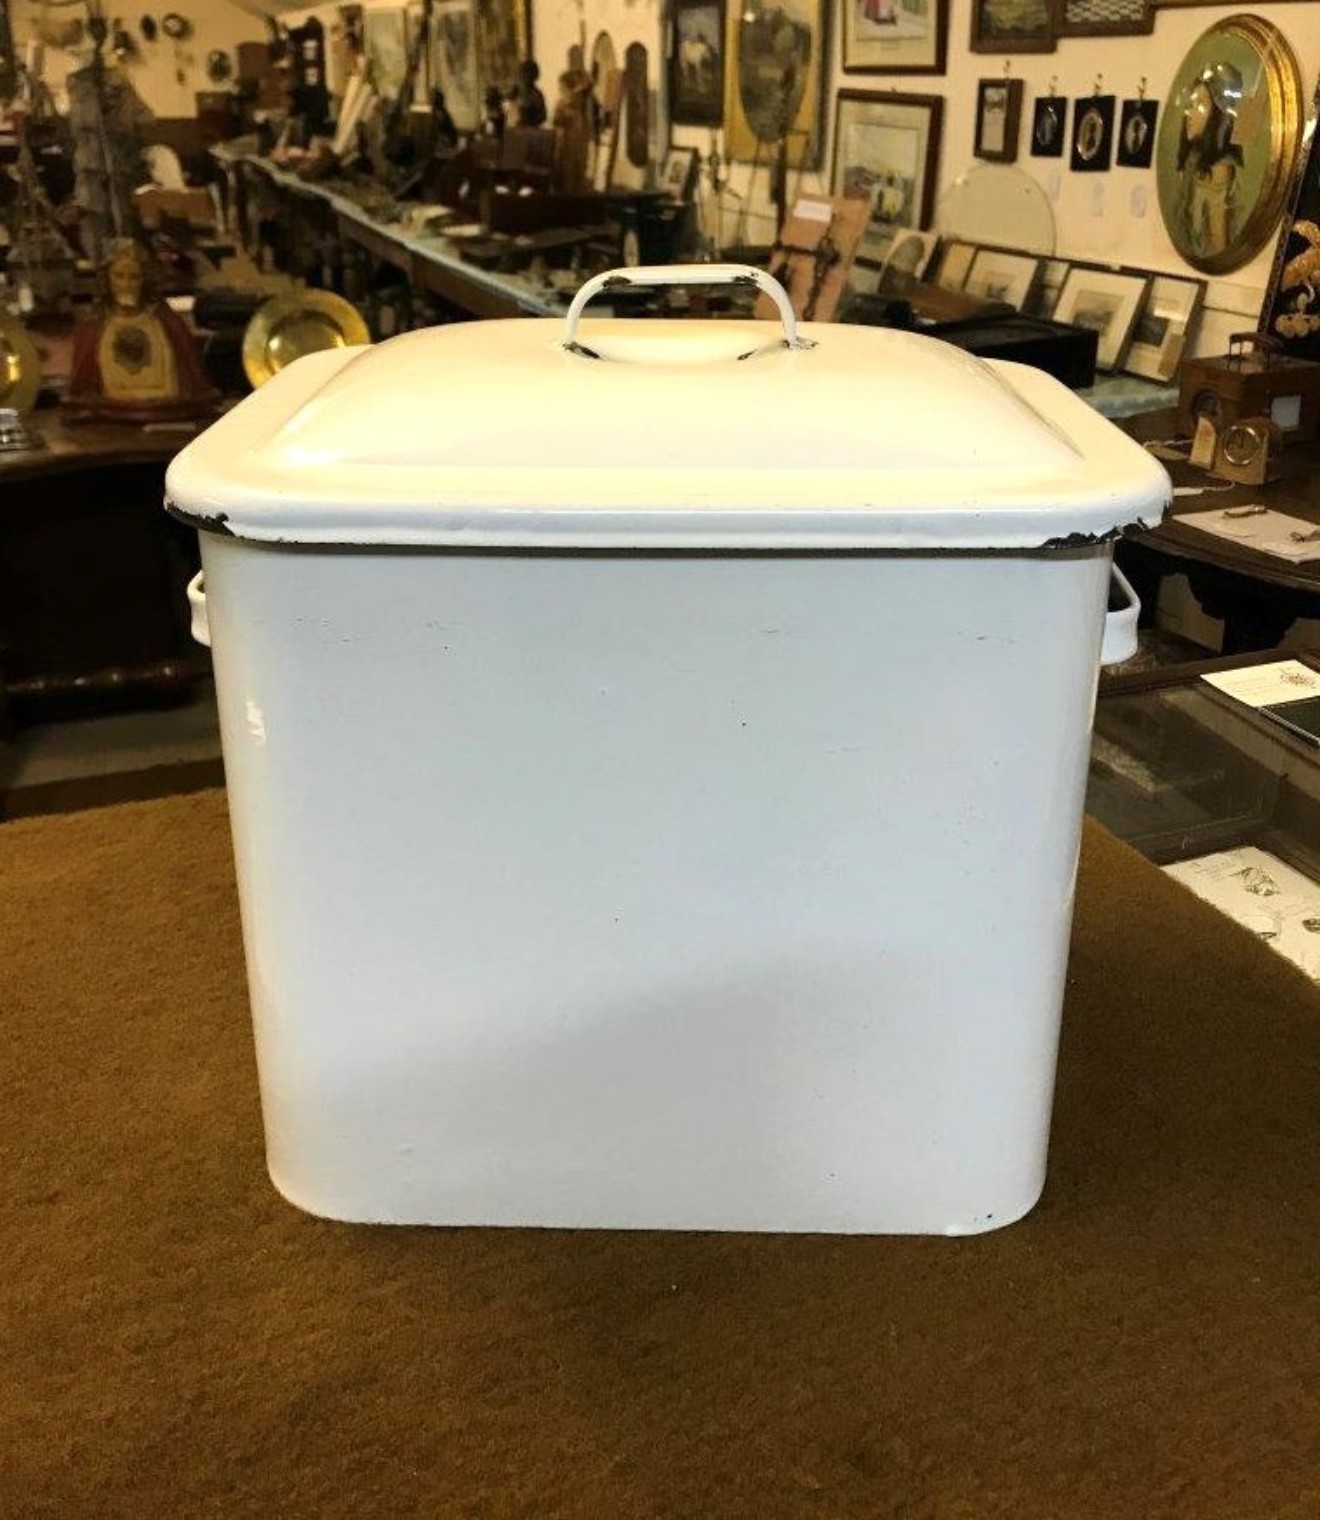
1143, 321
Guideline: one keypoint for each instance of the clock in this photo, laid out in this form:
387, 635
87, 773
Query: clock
1247, 451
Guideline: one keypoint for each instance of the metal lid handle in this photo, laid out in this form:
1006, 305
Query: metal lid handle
686, 274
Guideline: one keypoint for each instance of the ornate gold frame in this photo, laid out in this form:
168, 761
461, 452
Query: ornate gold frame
1283, 117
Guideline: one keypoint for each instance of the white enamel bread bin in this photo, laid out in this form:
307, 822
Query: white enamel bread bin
656, 755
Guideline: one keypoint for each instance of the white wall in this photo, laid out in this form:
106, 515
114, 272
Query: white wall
216, 24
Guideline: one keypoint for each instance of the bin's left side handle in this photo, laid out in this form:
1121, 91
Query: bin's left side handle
1120, 637
201, 628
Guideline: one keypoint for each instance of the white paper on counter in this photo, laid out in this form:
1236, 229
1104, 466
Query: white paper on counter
1263, 894
1266, 532
1267, 685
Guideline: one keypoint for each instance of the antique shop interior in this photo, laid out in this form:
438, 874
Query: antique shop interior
608, 885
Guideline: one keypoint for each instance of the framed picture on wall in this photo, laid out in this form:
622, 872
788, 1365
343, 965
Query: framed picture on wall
696, 63
1136, 134
1105, 18
895, 36
1049, 121
1108, 302
385, 38
455, 69
886, 151
998, 119
1013, 26
1093, 134
1165, 326
776, 52
503, 33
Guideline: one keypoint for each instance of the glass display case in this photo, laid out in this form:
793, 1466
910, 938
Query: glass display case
1218, 793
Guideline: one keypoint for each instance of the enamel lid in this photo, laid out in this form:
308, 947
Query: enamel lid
649, 433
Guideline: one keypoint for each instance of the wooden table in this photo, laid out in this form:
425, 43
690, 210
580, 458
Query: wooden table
1258, 596
93, 574
305, 213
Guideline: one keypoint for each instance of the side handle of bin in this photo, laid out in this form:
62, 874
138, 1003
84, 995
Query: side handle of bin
648, 275
1120, 637
201, 628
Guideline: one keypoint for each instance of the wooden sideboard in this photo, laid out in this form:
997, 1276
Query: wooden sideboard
93, 574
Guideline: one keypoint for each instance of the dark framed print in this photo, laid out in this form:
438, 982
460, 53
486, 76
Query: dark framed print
1093, 134
886, 151
1105, 18
775, 57
998, 119
1136, 134
1291, 310
998, 275
1165, 326
1049, 122
1108, 302
895, 36
696, 63
1013, 26
1227, 144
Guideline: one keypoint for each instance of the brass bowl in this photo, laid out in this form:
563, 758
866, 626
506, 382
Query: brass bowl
287, 327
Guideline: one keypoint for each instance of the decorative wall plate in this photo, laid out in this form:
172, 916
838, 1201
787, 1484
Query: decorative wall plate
287, 327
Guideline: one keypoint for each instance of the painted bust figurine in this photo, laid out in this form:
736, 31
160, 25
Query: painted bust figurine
137, 361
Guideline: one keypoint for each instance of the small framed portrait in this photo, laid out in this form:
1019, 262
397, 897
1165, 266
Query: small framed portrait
1105, 18
998, 120
955, 261
1108, 301
896, 36
1165, 326
1013, 26
1044, 295
1049, 123
696, 63
1093, 134
1136, 134
1227, 144
997, 275
678, 179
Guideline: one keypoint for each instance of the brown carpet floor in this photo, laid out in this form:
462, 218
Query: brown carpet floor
180, 1342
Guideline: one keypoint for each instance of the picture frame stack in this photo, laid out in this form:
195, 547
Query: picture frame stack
1144, 321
